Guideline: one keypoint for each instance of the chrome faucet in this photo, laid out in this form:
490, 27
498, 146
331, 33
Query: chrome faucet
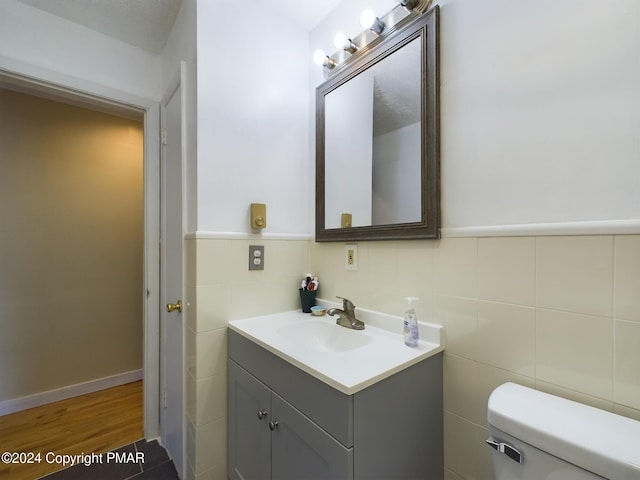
346, 316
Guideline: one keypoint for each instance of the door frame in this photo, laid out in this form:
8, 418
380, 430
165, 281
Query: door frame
176, 84
60, 87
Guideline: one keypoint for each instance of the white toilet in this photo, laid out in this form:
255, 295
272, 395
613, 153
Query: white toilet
538, 436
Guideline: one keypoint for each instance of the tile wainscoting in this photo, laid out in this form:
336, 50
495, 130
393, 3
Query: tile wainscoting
558, 313
219, 288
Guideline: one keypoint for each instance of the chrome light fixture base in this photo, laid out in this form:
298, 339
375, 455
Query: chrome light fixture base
401, 14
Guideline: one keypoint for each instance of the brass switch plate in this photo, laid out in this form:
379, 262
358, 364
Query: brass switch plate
345, 220
258, 216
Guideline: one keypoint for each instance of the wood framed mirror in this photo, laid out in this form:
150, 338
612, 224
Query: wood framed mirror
377, 140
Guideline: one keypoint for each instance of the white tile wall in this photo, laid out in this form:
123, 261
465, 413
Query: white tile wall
506, 337
561, 314
220, 288
627, 277
575, 351
460, 320
506, 270
575, 274
627, 364
456, 267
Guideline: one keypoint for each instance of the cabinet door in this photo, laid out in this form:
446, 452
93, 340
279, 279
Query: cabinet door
249, 455
303, 451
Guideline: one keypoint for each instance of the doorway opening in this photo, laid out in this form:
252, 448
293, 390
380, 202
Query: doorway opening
147, 291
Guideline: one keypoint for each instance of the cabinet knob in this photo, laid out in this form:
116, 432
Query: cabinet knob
273, 425
262, 414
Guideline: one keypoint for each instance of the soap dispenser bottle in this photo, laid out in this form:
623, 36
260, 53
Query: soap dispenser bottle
410, 330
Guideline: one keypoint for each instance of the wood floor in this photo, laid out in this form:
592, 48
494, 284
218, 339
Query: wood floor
93, 423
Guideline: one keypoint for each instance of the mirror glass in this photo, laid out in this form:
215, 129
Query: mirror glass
377, 141
372, 144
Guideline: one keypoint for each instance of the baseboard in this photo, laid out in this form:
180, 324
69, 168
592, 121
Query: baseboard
42, 398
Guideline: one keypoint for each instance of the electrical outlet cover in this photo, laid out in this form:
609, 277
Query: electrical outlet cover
256, 257
351, 257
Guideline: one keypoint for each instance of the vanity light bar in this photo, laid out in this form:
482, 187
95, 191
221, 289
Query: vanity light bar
375, 30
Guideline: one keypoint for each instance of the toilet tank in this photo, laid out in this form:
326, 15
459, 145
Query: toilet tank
540, 436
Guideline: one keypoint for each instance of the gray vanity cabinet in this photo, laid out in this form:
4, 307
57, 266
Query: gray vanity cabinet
249, 434
302, 450
284, 424
269, 438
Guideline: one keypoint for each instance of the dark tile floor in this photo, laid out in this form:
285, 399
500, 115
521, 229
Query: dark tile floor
141, 460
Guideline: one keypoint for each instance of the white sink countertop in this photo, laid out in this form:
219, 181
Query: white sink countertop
348, 360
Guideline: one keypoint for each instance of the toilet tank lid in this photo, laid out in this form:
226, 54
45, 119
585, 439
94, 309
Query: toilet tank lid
597, 441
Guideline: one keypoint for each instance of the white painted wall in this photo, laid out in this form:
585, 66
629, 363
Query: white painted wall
540, 109
39, 44
181, 44
253, 123
181, 47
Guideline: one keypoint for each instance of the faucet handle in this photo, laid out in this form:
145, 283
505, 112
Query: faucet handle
347, 305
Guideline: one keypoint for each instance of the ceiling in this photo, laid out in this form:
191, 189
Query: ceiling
143, 23
147, 23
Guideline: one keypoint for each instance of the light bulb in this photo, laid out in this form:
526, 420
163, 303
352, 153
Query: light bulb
340, 40
319, 57
367, 18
